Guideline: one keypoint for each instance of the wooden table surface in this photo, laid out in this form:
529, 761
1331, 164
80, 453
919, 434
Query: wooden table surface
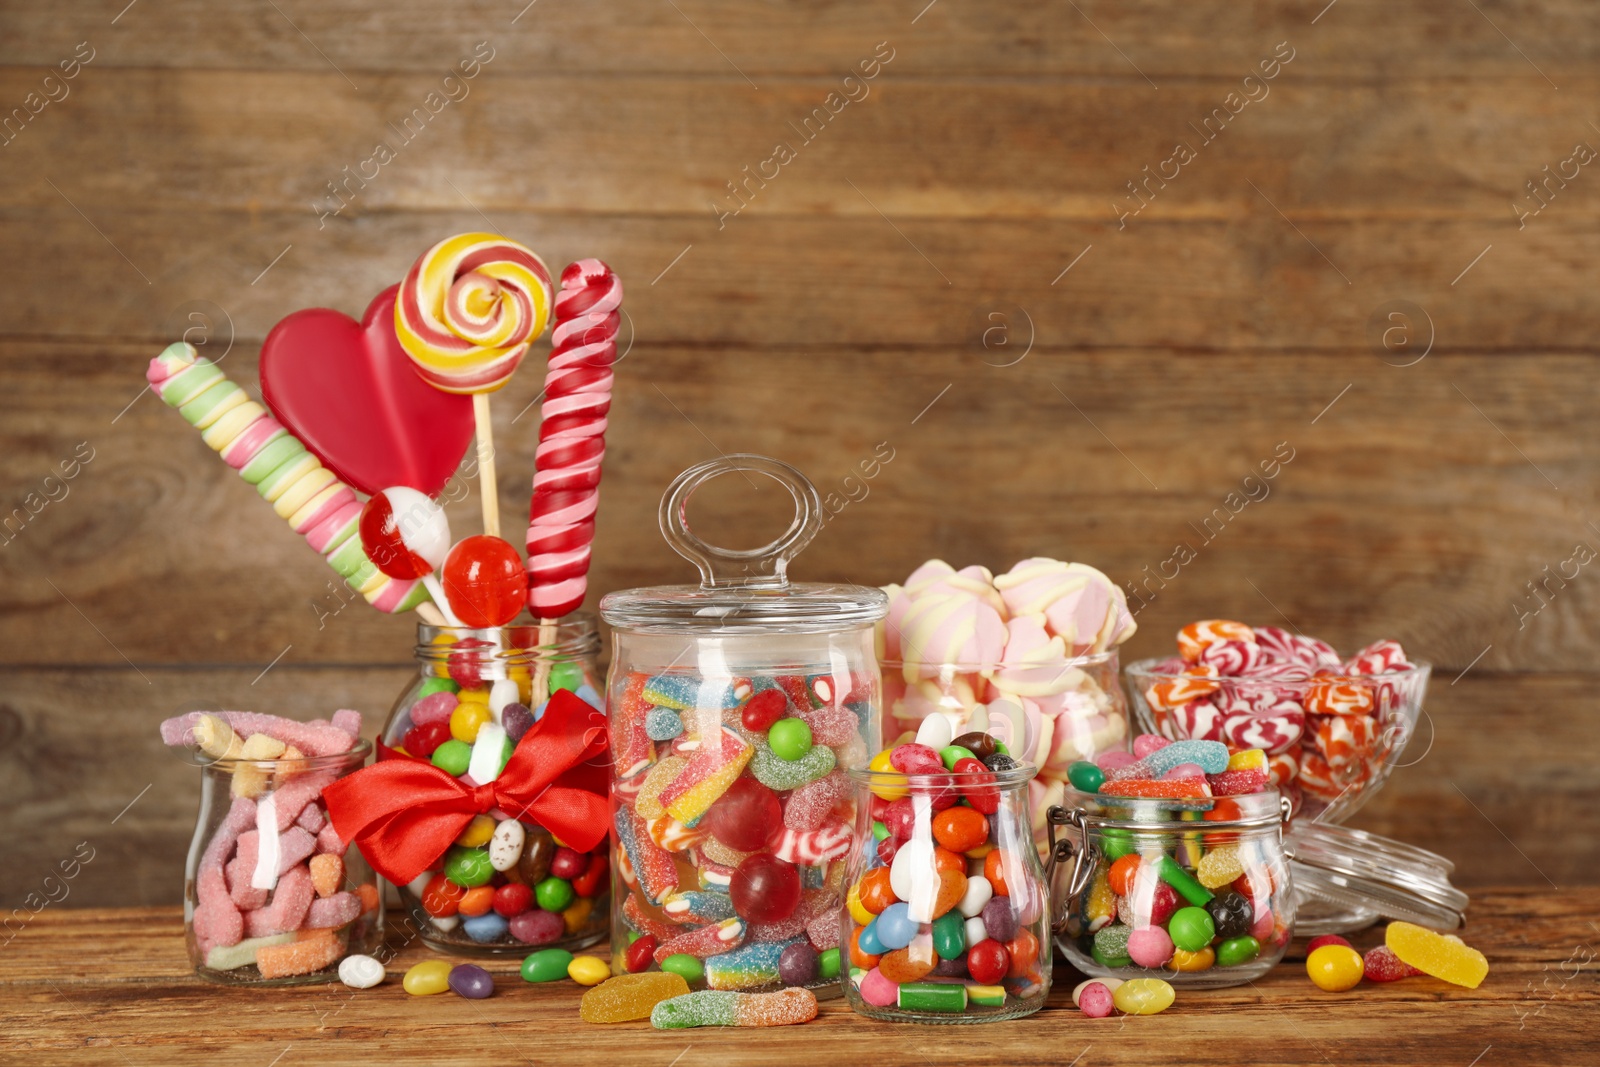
113, 986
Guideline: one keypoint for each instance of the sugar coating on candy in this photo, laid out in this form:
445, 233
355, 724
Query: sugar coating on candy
710, 771
832, 726
809, 806
232, 957
657, 873
291, 901
305, 955
786, 1007
333, 912
716, 939
630, 996
317, 738
656, 779
1211, 756
697, 907
755, 964
1220, 866
780, 775
823, 931
1112, 941
662, 724
1436, 955
1380, 964
1237, 783
217, 920
827, 842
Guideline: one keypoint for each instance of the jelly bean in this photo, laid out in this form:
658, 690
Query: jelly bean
512, 899
797, 965
1237, 950
1000, 919
430, 686
988, 961
764, 709
869, 942
790, 739
568, 863
517, 719
360, 972
565, 674
765, 888
537, 927
553, 894
546, 965
467, 867
1181, 880
1261, 929
427, 978
747, 817
441, 898
588, 970
1096, 999
950, 755
977, 786
894, 928
1193, 961
1334, 968
505, 844
1436, 955
960, 829
1150, 947
1024, 950
828, 964
487, 928
639, 955
900, 819
949, 935
1381, 965
575, 917
913, 866
688, 967
452, 757
628, 997
594, 880
860, 957
476, 901
423, 741
1143, 996
477, 832
470, 981
877, 990
1085, 777
533, 866
942, 999
981, 745
994, 870
911, 964
977, 894
1191, 929
934, 732
884, 785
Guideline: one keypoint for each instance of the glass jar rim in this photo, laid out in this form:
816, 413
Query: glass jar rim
1145, 668
1259, 810
1088, 659
356, 754
1021, 774
570, 637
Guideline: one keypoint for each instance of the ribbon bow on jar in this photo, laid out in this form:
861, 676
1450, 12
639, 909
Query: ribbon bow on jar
405, 812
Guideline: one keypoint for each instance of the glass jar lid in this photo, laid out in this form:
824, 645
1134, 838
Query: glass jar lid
743, 591
1366, 873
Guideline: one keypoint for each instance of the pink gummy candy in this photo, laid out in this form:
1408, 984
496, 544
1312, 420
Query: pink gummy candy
328, 840
1382, 965
291, 799
240, 870
832, 726
823, 931
348, 720
290, 903
320, 738
217, 921
333, 911
312, 819
705, 942
792, 927
809, 806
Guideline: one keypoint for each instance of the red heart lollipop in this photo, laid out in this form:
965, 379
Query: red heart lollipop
484, 579
348, 391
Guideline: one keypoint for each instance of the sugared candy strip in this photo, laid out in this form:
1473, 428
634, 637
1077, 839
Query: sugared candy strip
657, 873
712, 1008
630, 996
1436, 955
302, 491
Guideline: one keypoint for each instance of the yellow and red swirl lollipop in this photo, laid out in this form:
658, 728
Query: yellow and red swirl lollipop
466, 314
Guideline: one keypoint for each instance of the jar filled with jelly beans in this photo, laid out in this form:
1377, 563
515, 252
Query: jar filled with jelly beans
1194, 891
945, 917
735, 708
507, 884
272, 896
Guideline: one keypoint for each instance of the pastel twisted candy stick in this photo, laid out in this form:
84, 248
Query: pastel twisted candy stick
466, 313
314, 502
577, 398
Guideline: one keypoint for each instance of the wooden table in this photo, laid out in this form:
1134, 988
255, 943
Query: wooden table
113, 986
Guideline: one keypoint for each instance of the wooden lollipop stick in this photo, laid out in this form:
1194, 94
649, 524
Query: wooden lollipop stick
541, 667
487, 485
430, 614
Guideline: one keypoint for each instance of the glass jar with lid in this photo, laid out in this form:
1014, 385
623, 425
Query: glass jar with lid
735, 708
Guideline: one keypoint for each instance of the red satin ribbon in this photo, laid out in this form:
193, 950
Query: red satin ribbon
404, 813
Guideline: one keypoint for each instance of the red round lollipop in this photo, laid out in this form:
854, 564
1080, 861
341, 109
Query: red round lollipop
765, 889
485, 582
404, 532
747, 817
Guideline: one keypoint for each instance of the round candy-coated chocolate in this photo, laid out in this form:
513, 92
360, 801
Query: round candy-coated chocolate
546, 965
568, 863
798, 964
746, 817
988, 961
452, 757
538, 927
485, 928
1191, 929
828, 964
1086, 777
686, 966
999, 762
512, 899
517, 720
764, 888
1334, 968
1000, 919
553, 894
468, 867
1231, 914
790, 739
485, 581
1237, 950
979, 744
567, 675
471, 981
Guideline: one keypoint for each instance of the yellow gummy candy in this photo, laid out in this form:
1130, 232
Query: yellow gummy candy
628, 997
1102, 905
1434, 954
1219, 867
1251, 759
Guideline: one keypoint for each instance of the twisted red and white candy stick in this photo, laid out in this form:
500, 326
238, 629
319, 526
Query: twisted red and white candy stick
566, 485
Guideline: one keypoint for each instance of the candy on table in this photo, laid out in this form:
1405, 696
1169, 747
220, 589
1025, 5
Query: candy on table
1334, 968
1436, 955
470, 981
302, 491
1380, 964
1143, 996
1095, 997
588, 970
786, 1007
628, 997
427, 978
361, 971
546, 965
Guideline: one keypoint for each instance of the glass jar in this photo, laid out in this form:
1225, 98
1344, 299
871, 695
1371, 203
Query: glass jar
945, 915
735, 708
272, 896
1050, 713
1196, 892
500, 888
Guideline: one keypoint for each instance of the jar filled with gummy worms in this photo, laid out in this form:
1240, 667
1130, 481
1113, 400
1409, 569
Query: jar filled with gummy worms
735, 708
946, 907
506, 884
1194, 891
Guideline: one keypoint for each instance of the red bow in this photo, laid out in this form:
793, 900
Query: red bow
404, 813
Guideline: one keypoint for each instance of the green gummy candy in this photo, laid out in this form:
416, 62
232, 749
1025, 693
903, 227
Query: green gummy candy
1112, 941
565, 675
779, 774
1113, 962
546, 965
703, 1008
1181, 880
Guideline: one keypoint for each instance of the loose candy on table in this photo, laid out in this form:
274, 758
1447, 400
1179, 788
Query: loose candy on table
1436, 955
711, 1008
588, 970
1380, 964
1143, 996
1096, 998
628, 997
470, 981
427, 978
1334, 968
361, 971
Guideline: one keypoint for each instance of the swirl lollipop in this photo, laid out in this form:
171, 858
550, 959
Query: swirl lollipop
467, 311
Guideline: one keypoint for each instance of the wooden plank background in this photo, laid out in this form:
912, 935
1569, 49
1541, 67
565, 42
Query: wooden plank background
941, 270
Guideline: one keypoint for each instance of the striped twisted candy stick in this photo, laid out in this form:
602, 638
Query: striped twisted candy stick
314, 502
566, 487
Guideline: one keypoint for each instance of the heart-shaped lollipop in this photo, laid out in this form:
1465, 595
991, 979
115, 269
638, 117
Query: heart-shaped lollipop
349, 392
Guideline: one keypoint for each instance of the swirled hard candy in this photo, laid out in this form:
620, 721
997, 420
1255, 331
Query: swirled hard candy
1270, 733
1230, 658
1196, 637
1380, 657
1338, 696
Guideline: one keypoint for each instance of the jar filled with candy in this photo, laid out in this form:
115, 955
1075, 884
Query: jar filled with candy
272, 894
1194, 890
735, 708
1029, 655
945, 915
507, 881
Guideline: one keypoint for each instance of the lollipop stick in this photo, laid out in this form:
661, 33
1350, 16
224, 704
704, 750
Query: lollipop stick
430, 614
486, 480
541, 667
436, 591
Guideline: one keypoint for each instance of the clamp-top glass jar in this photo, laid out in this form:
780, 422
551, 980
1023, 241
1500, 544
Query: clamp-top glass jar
735, 708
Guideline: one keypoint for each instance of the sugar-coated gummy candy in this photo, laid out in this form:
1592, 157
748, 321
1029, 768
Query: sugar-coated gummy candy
712, 1008
1112, 941
662, 724
588, 970
309, 952
1436, 955
1219, 866
1334, 968
546, 965
427, 978
775, 772
630, 996
1095, 999
360, 971
1143, 996
1381, 965
470, 981
748, 967
1237, 950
